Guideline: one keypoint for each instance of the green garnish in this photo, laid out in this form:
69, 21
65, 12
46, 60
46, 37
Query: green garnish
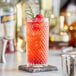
29, 12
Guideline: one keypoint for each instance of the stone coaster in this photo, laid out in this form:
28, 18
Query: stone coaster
37, 69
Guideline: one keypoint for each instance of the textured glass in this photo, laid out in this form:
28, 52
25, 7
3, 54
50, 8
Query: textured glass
37, 42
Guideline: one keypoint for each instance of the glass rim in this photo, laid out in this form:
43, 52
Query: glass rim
31, 19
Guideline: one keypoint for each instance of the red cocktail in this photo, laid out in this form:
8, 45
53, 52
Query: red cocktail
37, 40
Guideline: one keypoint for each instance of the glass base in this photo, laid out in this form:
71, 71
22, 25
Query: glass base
37, 65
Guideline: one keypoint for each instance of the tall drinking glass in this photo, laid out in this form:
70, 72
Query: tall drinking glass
37, 42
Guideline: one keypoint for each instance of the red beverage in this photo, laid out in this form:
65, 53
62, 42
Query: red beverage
37, 41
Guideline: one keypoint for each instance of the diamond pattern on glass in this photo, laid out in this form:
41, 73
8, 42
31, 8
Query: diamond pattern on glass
37, 45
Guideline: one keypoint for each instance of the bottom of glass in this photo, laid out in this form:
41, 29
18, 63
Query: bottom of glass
37, 65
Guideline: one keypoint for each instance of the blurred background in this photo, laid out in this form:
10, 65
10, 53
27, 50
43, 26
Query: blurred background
62, 20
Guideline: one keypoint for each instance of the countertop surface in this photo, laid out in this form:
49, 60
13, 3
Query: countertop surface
19, 58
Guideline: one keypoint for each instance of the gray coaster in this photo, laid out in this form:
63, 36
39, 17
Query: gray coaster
37, 69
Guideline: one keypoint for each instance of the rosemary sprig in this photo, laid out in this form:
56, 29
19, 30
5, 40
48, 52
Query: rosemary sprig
29, 12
